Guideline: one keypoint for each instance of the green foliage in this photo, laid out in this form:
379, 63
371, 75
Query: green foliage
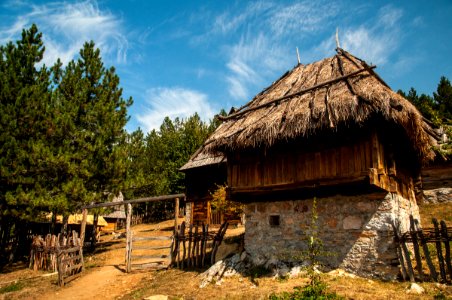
62, 142
13, 287
318, 291
221, 204
436, 108
154, 160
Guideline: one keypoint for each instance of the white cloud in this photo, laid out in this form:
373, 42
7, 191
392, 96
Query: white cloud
250, 62
67, 26
375, 42
302, 17
173, 102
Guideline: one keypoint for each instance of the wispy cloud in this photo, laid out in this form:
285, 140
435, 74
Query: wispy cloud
268, 30
173, 102
67, 26
302, 17
250, 61
375, 41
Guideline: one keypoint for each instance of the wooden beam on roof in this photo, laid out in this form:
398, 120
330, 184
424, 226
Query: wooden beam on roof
322, 84
133, 201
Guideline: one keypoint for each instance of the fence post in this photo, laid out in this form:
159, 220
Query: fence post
82, 235
439, 250
446, 248
176, 215
129, 238
417, 254
426, 251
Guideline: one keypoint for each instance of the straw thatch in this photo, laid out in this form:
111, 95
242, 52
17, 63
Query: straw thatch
202, 158
338, 91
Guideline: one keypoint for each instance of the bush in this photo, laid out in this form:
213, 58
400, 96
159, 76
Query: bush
311, 291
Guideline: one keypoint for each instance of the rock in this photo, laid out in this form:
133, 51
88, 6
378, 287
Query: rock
297, 271
243, 256
352, 222
440, 195
415, 289
235, 259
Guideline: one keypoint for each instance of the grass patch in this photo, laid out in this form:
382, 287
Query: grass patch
440, 211
318, 290
13, 287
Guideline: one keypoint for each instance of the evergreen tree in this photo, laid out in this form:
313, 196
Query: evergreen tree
26, 122
443, 98
92, 127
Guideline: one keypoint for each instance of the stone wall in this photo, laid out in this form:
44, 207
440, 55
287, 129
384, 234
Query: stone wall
356, 231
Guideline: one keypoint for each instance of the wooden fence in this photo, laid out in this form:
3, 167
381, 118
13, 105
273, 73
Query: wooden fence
196, 244
150, 260
43, 253
70, 264
439, 237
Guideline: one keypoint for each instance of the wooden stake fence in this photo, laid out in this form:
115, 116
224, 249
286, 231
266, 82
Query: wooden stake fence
196, 245
439, 237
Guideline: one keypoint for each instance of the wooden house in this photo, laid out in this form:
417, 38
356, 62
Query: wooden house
331, 131
116, 219
203, 173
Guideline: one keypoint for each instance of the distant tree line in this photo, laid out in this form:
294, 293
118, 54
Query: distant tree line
437, 109
154, 160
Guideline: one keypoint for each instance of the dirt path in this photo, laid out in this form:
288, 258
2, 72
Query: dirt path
104, 277
107, 279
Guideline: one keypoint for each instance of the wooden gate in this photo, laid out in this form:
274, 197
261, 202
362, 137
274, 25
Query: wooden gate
141, 252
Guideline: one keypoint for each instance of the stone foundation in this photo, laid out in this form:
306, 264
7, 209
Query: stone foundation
356, 231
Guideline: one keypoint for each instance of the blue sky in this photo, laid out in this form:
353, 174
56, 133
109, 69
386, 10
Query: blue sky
179, 57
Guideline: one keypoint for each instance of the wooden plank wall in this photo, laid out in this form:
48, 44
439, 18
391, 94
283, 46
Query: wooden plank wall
293, 165
365, 156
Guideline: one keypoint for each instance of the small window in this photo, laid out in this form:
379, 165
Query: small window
274, 221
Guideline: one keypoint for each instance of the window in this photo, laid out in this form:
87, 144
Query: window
274, 221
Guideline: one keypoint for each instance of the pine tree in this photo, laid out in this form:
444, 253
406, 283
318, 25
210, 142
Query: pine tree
443, 97
25, 118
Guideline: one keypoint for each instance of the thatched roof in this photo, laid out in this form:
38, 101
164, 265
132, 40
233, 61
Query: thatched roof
202, 158
337, 91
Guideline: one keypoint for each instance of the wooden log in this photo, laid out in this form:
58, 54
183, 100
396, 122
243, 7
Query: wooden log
204, 244
60, 271
196, 247
447, 248
129, 238
217, 240
176, 214
135, 247
417, 253
182, 232
399, 242
83, 227
134, 201
177, 250
134, 256
423, 240
190, 237
152, 238
439, 250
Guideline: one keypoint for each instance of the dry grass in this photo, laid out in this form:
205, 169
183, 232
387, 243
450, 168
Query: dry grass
440, 211
184, 284
179, 284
